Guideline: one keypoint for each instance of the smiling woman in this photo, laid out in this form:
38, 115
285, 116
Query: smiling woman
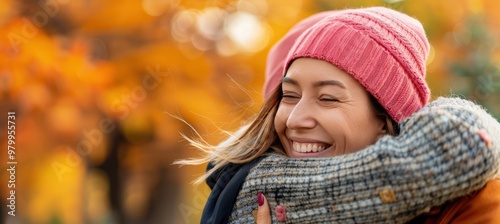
348, 80
315, 95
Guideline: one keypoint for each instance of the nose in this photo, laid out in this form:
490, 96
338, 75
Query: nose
302, 116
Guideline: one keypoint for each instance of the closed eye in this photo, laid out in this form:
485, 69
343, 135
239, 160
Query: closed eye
291, 98
329, 100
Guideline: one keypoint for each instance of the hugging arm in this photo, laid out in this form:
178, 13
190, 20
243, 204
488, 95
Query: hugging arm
446, 150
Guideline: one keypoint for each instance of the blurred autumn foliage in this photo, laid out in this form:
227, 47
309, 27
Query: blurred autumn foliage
96, 86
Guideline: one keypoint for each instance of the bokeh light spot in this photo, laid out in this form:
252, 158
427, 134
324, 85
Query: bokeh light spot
158, 7
210, 23
247, 31
432, 55
184, 24
256, 7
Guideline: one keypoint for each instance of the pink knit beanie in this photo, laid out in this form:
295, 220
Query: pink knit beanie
276, 57
383, 49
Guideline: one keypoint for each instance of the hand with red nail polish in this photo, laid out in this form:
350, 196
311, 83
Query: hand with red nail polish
263, 212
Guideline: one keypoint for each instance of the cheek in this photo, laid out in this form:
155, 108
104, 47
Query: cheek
368, 131
360, 129
280, 119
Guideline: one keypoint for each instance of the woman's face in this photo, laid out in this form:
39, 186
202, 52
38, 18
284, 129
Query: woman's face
324, 112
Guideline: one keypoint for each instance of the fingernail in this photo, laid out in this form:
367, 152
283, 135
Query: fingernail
260, 199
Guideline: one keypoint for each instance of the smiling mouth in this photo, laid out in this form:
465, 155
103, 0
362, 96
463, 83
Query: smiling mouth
309, 147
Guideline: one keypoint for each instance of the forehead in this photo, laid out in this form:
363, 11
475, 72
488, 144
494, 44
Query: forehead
303, 70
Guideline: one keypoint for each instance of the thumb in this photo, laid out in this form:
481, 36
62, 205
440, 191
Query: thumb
263, 212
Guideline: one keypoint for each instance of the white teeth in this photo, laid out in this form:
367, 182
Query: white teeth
308, 147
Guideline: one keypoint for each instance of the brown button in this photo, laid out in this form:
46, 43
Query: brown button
387, 195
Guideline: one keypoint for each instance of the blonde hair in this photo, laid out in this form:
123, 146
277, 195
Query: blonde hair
254, 139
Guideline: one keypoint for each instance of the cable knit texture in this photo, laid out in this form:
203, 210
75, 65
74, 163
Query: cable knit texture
383, 49
392, 181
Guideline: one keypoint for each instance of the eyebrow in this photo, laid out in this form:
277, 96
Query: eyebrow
315, 84
329, 83
289, 80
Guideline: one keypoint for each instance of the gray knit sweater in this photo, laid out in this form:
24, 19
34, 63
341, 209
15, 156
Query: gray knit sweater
443, 152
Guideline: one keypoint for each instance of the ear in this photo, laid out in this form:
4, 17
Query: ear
382, 127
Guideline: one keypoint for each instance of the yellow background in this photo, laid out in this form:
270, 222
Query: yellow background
96, 86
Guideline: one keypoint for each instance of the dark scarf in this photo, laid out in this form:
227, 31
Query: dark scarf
225, 184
